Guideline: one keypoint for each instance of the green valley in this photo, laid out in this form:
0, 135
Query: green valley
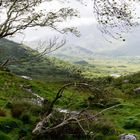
93, 91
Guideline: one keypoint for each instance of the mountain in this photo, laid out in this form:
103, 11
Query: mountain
11, 50
24, 61
73, 53
93, 40
115, 102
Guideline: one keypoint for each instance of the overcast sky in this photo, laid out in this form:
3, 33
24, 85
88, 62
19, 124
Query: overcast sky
90, 35
86, 19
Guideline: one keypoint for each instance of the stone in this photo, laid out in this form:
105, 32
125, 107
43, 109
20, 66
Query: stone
126, 81
127, 137
137, 90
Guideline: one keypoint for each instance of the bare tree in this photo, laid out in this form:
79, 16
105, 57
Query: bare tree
81, 118
49, 46
43, 48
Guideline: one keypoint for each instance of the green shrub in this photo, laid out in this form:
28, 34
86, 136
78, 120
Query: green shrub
23, 132
35, 110
2, 112
99, 136
26, 119
9, 105
3, 136
17, 110
111, 138
131, 122
7, 126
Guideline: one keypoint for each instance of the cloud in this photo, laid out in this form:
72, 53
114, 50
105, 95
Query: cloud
86, 19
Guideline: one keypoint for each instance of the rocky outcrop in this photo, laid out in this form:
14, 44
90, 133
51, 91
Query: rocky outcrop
127, 137
137, 90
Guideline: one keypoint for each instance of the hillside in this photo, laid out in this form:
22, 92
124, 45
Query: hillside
73, 53
92, 43
25, 61
21, 106
20, 109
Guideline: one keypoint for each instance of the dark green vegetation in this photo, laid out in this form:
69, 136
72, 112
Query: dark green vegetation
24, 61
19, 111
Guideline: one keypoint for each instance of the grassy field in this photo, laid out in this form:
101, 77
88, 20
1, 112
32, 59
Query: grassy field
19, 112
18, 115
107, 66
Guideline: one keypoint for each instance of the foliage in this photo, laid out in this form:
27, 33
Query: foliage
16, 90
46, 69
114, 16
7, 126
17, 110
3, 136
26, 118
2, 112
131, 123
23, 14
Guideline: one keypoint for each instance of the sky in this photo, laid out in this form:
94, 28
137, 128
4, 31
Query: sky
86, 24
86, 19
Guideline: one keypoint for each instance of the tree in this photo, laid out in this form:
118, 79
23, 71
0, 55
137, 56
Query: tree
112, 15
18, 15
116, 17
52, 124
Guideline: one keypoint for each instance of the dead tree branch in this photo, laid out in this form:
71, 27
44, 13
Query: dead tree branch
80, 118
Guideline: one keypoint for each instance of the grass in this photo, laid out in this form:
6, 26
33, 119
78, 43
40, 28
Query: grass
51, 74
107, 66
13, 89
124, 119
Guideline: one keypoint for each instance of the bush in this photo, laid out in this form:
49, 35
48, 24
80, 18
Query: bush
7, 126
23, 132
2, 112
9, 105
16, 111
104, 126
99, 137
131, 122
35, 110
26, 118
111, 138
3, 136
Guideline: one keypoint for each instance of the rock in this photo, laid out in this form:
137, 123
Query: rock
115, 75
26, 77
137, 90
126, 81
127, 137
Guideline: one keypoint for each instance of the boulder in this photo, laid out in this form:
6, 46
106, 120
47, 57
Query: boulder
127, 137
137, 90
126, 81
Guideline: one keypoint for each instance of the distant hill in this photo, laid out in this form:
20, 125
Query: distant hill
11, 50
93, 43
46, 68
73, 53
127, 50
